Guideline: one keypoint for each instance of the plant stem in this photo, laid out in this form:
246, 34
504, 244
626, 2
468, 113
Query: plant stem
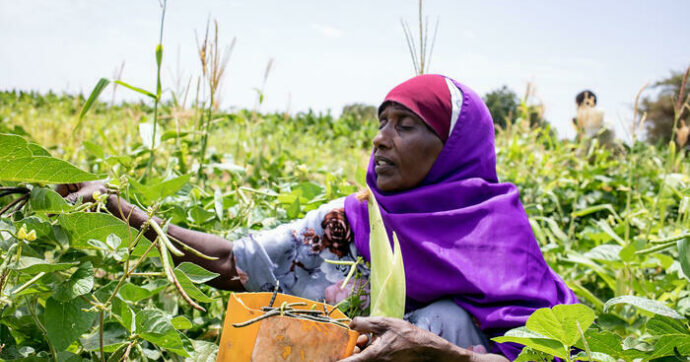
204, 139
100, 335
159, 59
32, 310
29, 283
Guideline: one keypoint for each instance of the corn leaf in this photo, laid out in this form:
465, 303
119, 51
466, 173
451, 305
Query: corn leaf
387, 277
97, 90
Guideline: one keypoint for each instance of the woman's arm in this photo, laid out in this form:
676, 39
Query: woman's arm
208, 244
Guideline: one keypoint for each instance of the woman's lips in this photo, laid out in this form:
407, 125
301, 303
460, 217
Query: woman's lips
383, 165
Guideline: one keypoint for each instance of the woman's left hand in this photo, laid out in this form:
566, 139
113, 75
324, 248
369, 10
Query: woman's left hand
397, 340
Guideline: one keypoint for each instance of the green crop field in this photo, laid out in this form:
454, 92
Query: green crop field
613, 222
76, 283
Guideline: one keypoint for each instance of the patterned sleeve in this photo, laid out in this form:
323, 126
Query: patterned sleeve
294, 254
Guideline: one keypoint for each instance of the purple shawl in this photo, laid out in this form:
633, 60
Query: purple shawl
464, 235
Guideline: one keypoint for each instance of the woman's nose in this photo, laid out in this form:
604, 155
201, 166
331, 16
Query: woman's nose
382, 138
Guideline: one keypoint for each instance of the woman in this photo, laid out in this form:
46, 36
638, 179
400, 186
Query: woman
472, 265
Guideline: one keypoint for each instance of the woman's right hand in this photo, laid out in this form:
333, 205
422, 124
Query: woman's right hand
83, 190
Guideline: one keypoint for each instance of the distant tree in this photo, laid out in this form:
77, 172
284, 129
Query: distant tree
660, 110
360, 112
503, 104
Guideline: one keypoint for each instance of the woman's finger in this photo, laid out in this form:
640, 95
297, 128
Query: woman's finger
362, 340
367, 324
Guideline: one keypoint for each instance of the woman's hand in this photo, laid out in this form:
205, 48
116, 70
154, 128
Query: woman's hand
397, 340
83, 190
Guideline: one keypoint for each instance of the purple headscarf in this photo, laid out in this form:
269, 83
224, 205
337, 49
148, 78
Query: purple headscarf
462, 234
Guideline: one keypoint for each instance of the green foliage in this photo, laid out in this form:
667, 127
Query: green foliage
613, 225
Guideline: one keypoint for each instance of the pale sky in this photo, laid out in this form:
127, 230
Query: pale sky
331, 53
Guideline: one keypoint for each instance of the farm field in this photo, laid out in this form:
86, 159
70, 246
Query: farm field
613, 222
612, 218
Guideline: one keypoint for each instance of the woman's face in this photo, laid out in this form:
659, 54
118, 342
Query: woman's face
404, 149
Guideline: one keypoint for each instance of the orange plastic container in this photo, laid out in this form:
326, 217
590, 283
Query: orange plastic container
281, 338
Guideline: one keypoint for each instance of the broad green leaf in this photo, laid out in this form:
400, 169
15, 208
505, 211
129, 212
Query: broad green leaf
154, 326
529, 355
555, 229
181, 322
41, 169
200, 215
45, 200
684, 256
608, 343
31, 265
14, 146
533, 340
608, 252
560, 322
665, 345
196, 273
100, 86
660, 325
596, 356
134, 293
603, 225
118, 355
65, 356
114, 337
309, 190
66, 321
218, 203
203, 352
160, 190
81, 227
37, 150
293, 210
124, 314
80, 283
649, 305
604, 273
387, 279
94, 149
190, 288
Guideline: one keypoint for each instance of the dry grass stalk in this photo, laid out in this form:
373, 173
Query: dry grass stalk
636, 126
422, 60
682, 134
214, 60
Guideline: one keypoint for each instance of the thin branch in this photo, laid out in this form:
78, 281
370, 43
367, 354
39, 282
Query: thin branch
14, 202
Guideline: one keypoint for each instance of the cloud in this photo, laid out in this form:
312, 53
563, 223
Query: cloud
328, 31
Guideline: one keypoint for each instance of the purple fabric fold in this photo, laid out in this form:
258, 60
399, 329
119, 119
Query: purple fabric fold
465, 236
